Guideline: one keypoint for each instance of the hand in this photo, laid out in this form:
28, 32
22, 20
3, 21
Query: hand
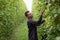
42, 11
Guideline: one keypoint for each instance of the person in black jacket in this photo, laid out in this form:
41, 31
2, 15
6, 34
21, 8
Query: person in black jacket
32, 25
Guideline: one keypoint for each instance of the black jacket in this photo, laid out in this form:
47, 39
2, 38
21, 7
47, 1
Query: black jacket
32, 29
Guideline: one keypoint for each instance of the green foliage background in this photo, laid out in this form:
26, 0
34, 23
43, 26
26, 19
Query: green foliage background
13, 24
51, 27
11, 16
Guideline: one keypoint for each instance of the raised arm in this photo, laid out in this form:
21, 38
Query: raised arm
38, 22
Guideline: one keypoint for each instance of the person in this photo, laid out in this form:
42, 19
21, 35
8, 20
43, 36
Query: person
32, 25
